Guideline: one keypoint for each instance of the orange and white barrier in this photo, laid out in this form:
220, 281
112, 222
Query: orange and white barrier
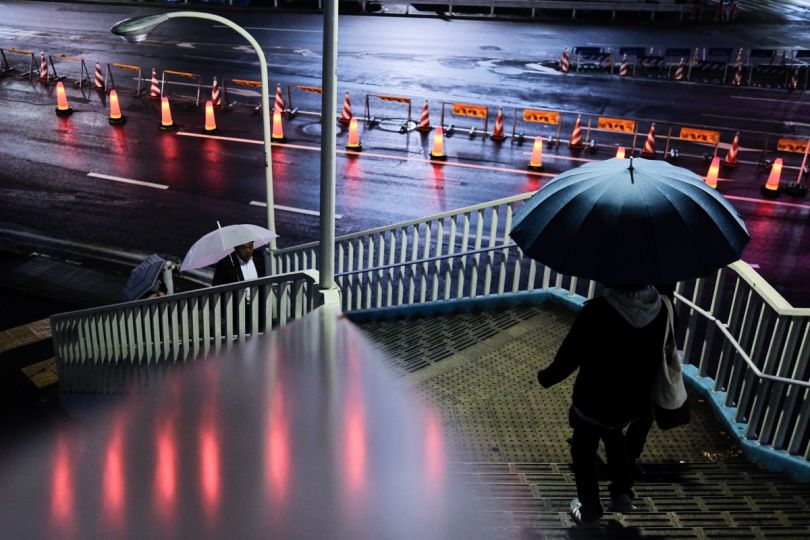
354, 137
166, 122
346, 113
424, 119
576, 135
731, 159
737, 80
565, 61
278, 105
438, 145
497, 131
210, 119
154, 88
116, 118
216, 96
62, 107
536, 162
278, 127
714, 170
43, 68
623, 67
679, 71
649, 145
98, 79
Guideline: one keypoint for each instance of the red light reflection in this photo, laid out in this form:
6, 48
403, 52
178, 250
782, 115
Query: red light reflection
354, 431
434, 454
166, 467
114, 482
278, 447
62, 497
210, 472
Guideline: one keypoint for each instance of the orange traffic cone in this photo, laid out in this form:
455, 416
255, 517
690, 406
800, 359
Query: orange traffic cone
116, 118
279, 104
711, 176
98, 81
210, 120
771, 187
424, 120
497, 131
623, 67
346, 114
154, 89
166, 122
565, 63
576, 135
680, 69
794, 79
43, 68
216, 97
354, 137
62, 107
438, 145
731, 159
620, 152
737, 81
278, 127
536, 163
649, 144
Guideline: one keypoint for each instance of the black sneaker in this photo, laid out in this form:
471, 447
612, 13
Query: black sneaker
623, 504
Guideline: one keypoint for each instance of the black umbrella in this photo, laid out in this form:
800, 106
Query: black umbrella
145, 278
630, 221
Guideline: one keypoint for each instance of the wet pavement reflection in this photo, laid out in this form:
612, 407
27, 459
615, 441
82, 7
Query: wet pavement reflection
302, 434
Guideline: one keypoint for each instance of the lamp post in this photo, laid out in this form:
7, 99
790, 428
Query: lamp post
137, 29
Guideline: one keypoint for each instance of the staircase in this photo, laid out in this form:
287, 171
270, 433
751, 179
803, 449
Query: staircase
510, 436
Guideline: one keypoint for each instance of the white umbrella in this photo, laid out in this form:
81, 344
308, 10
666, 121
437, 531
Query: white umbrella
220, 242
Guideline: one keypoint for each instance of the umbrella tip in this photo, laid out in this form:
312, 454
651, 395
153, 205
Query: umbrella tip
630, 168
218, 225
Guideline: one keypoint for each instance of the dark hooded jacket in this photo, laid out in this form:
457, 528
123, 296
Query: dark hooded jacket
617, 343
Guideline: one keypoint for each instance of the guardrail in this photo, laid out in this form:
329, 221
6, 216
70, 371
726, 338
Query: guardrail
736, 329
182, 326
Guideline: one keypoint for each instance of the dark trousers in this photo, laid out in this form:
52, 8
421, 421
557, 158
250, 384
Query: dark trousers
636, 435
584, 444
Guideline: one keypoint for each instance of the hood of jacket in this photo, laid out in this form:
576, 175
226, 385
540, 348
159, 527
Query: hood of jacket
638, 307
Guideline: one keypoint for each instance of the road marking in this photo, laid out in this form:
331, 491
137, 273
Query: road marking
127, 180
269, 29
772, 100
768, 201
293, 209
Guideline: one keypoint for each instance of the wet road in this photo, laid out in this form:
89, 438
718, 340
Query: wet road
58, 172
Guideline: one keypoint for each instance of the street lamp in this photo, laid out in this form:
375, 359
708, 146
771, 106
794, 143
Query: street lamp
137, 29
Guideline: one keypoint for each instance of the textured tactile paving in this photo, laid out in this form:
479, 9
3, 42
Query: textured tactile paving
510, 437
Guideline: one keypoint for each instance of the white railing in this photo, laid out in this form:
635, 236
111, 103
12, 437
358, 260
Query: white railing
735, 328
181, 326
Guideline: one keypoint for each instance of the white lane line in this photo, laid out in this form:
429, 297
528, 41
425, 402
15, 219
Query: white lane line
292, 209
127, 180
767, 201
269, 29
772, 100
219, 137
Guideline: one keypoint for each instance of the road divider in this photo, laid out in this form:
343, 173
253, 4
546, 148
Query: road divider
127, 180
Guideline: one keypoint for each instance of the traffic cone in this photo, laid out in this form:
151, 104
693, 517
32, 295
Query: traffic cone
565, 62
731, 159
279, 104
116, 118
623, 67
536, 163
497, 131
216, 97
620, 152
794, 79
424, 120
438, 145
354, 137
711, 176
154, 89
166, 122
278, 127
346, 114
679, 70
98, 81
649, 144
62, 107
737, 81
210, 120
43, 68
771, 187
576, 135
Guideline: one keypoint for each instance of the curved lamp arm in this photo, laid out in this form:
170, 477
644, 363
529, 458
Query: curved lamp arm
137, 29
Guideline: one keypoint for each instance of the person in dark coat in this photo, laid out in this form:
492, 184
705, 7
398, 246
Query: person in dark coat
616, 342
243, 264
